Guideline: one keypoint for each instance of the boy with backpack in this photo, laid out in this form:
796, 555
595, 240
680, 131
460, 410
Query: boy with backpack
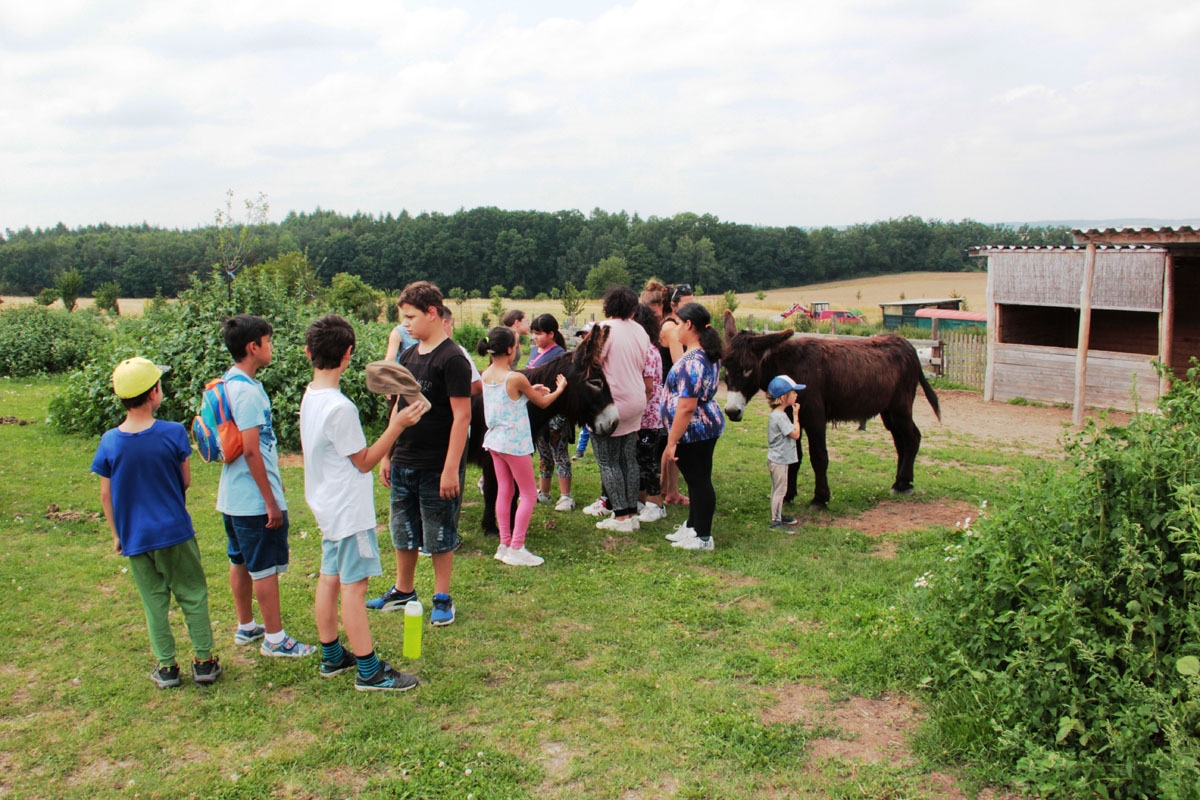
250, 495
339, 488
144, 477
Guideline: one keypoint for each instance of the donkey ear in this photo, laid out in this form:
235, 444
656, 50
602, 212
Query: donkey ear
730, 325
767, 341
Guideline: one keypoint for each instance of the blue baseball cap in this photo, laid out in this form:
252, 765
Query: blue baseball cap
781, 385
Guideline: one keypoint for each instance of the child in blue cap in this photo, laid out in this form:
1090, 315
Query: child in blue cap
782, 434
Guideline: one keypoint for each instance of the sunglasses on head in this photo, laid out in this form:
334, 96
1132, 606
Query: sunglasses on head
682, 290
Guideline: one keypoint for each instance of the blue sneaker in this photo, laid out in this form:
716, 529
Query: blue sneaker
392, 600
288, 648
443, 610
242, 638
385, 679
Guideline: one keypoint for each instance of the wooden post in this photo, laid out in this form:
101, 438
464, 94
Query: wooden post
1166, 321
993, 337
1085, 332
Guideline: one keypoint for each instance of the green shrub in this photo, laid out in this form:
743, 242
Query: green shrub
36, 340
69, 285
1065, 628
468, 335
107, 297
351, 296
46, 297
186, 335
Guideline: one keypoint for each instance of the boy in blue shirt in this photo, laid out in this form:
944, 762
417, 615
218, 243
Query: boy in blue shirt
144, 476
250, 495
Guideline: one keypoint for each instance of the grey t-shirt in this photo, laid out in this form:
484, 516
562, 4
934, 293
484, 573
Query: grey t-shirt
781, 447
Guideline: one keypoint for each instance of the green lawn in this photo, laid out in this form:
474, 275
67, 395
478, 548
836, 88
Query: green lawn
621, 668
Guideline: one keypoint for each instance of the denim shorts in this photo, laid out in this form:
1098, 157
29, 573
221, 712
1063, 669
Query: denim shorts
262, 550
352, 559
420, 516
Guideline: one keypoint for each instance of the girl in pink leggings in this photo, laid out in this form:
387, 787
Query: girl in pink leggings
509, 440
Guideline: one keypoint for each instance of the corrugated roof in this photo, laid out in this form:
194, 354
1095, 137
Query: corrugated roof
1184, 235
1185, 229
1013, 248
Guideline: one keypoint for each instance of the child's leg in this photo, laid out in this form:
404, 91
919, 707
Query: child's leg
156, 600
521, 469
188, 584
326, 607
505, 489
354, 617
778, 488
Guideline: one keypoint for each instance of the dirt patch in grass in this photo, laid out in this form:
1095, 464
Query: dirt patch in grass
53, 512
15, 421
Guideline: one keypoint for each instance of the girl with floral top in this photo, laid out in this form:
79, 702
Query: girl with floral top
508, 439
694, 422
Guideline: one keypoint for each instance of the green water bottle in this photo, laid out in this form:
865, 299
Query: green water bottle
414, 618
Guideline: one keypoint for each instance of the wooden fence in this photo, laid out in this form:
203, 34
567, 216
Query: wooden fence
961, 357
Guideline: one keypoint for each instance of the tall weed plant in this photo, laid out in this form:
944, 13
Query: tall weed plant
186, 336
1065, 625
35, 340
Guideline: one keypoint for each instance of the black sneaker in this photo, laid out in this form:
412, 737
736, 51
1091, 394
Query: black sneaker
391, 600
166, 677
385, 679
206, 673
331, 668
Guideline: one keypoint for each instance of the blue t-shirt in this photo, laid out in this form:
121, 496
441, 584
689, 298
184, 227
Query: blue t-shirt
237, 494
149, 509
694, 375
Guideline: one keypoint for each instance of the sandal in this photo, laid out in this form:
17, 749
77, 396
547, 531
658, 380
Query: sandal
676, 500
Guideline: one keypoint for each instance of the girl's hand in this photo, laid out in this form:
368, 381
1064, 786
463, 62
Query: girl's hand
560, 382
540, 389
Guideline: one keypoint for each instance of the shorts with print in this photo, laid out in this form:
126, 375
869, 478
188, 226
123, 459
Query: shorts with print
250, 543
352, 559
650, 446
553, 447
420, 516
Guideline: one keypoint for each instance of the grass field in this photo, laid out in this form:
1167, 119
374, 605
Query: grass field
864, 294
622, 668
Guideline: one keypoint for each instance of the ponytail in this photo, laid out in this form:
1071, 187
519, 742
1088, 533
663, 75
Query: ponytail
710, 339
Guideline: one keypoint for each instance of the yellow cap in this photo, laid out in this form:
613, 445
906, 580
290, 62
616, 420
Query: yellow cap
133, 376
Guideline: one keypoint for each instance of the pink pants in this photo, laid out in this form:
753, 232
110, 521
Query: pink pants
514, 474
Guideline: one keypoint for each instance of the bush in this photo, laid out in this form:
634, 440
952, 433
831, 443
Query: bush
107, 297
186, 335
35, 340
468, 335
69, 285
46, 297
1065, 628
351, 296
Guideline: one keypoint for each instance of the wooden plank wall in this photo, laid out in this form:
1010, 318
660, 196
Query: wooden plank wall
964, 356
1126, 280
1047, 375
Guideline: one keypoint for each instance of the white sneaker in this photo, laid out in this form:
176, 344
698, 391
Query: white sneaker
501, 552
597, 509
522, 558
682, 531
694, 543
652, 513
627, 525
641, 505
544, 499
565, 503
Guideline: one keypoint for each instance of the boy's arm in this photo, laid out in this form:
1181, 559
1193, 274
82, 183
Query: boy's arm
185, 467
461, 408
106, 503
258, 471
401, 419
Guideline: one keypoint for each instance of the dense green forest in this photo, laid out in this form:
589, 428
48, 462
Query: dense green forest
485, 247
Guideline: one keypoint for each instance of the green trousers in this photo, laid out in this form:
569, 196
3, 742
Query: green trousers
174, 570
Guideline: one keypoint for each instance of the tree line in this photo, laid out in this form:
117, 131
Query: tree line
484, 247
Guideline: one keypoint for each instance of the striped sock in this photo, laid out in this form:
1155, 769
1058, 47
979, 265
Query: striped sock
332, 652
368, 665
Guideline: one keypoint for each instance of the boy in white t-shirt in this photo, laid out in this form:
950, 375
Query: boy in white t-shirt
339, 488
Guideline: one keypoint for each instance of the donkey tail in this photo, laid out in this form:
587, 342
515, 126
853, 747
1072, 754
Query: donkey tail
930, 395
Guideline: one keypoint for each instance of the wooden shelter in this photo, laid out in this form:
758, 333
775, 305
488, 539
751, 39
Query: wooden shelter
904, 312
1084, 324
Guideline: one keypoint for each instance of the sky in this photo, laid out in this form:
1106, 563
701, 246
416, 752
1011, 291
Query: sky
763, 112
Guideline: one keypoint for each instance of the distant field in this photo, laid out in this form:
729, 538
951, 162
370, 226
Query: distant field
130, 306
864, 294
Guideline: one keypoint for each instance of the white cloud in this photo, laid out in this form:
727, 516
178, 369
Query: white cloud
793, 112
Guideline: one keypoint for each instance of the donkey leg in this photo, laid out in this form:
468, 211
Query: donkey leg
908, 442
818, 456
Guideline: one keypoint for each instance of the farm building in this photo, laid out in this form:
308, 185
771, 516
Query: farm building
904, 312
949, 319
1084, 324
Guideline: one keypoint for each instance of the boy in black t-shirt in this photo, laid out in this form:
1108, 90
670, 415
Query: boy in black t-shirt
423, 467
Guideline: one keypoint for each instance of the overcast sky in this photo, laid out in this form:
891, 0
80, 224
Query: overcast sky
776, 113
